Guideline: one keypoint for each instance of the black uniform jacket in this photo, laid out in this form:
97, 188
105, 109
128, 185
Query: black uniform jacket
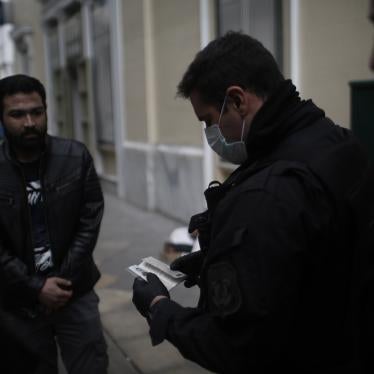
276, 275
73, 207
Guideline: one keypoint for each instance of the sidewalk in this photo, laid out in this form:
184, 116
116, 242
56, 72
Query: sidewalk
127, 235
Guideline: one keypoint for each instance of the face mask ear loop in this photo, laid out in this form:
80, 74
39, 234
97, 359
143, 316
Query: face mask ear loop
241, 138
222, 109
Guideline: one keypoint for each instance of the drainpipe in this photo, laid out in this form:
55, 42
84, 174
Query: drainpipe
205, 37
150, 97
119, 90
295, 42
88, 53
51, 111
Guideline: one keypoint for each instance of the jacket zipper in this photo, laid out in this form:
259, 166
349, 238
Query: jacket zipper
66, 184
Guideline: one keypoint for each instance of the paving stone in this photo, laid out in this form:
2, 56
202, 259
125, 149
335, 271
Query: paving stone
121, 325
187, 368
151, 359
119, 363
113, 299
106, 280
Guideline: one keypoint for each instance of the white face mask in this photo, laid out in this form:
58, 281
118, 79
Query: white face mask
234, 152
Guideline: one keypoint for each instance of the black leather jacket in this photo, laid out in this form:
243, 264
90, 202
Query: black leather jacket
73, 206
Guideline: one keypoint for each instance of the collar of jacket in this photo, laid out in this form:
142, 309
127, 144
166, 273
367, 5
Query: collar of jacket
282, 114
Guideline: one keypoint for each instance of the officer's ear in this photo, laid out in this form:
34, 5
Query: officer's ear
246, 103
236, 97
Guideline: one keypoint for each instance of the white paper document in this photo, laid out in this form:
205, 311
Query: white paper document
168, 277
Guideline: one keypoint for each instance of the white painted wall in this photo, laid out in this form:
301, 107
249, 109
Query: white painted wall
7, 53
333, 47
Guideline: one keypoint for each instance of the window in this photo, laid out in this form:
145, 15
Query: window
102, 73
260, 19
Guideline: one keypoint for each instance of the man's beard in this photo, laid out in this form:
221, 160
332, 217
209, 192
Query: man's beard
30, 140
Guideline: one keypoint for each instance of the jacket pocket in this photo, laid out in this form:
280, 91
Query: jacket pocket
68, 184
6, 199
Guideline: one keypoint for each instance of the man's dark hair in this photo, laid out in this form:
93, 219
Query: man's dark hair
233, 59
20, 83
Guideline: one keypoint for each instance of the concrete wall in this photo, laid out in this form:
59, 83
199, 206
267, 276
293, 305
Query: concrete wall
28, 14
176, 41
179, 182
335, 39
134, 71
136, 171
166, 179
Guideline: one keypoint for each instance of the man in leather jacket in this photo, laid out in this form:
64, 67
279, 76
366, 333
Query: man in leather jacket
51, 210
276, 241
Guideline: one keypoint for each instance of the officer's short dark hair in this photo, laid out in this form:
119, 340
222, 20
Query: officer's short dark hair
20, 83
233, 59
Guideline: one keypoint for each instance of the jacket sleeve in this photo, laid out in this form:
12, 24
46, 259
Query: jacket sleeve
91, 212
268, 262
18, 286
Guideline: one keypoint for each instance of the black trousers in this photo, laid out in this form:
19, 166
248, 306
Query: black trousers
16, 357
77, 330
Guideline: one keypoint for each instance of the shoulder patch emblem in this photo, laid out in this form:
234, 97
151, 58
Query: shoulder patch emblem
224, 295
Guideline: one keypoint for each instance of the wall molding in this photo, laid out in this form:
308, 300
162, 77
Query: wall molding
164, 148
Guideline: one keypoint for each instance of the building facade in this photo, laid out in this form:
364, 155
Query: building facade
112, 67
21, 39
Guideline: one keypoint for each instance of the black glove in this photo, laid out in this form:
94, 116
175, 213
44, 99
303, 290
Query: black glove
145, 291
190, 265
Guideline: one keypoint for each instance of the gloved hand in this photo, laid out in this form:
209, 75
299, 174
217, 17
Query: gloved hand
144, 292
190, 265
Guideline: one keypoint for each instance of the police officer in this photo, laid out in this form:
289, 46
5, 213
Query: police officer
274, 268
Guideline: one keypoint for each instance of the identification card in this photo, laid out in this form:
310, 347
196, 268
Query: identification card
169, 278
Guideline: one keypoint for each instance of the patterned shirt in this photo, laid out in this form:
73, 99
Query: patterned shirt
42, 250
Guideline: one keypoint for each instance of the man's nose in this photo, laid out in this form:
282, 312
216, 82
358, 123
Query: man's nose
29, 121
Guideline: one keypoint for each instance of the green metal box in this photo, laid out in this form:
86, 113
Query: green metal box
362, 113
